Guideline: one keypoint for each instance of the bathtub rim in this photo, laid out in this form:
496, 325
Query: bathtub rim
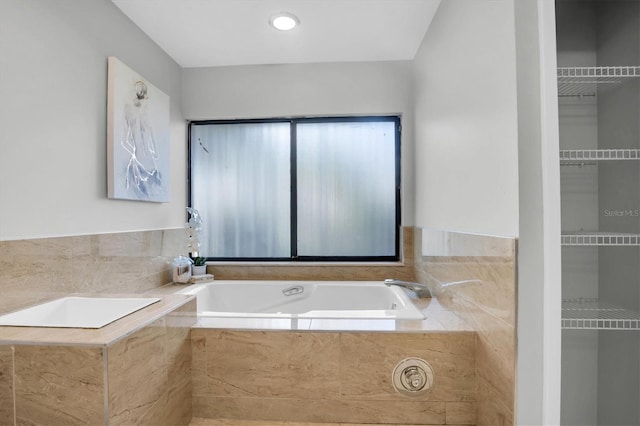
414, 311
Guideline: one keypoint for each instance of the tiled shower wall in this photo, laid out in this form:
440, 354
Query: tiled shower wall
475, 276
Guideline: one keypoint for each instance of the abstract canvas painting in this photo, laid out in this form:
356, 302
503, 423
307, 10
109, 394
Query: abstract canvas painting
137, 137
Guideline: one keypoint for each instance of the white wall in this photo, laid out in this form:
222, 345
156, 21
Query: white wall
539, 269
487, 148
349, 88
466, 124
53, 91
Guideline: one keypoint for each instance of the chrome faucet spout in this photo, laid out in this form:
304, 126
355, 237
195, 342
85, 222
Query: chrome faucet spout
420, 290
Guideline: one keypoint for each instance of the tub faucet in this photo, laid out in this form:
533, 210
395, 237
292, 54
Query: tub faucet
420, 290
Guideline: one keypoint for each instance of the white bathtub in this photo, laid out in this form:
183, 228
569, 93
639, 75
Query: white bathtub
302, 299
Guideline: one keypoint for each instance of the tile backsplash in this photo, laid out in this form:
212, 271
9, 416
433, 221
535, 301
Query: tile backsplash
40, 269
133, 262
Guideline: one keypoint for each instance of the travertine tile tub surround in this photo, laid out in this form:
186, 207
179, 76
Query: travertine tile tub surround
331, 377
35, 270
475, 276
133, 371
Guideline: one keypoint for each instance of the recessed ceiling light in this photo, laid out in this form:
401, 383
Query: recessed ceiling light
284, 21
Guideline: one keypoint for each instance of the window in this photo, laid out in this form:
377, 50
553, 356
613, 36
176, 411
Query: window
297, 189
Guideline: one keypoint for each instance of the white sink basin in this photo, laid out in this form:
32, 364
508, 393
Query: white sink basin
77, 312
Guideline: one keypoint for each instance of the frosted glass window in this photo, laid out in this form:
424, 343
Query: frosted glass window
240, 184
297, 189
346, 189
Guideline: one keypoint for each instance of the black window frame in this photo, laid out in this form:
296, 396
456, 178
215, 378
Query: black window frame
293, 121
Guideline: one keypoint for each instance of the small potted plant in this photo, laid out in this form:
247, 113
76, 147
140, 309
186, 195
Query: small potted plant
199, 266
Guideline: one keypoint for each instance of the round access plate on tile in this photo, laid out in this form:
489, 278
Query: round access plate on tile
412, 377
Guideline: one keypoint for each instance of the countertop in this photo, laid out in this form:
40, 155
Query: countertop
106, 335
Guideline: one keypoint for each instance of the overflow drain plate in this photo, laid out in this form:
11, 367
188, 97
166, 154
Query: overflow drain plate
412, 377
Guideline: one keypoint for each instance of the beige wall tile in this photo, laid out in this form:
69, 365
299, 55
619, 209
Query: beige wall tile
26, 274
173, 408
327, 377
491, 410
130, 245
446, 243
476, 278
495, 359
155, 362
368, 360
6, 385
460, 413
410, 412
487, 283
495, 363
137, 362
321, 410
198, 362
178, 409
39, 269
178, 343
198, 421
269, 364
380, 424
58, 385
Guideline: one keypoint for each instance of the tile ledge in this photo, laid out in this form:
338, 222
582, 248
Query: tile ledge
94, 337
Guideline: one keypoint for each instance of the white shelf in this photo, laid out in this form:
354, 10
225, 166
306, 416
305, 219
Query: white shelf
583, 81
592, 314
600, 239
579, 155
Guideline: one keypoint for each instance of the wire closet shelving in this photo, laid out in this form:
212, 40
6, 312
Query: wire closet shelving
590, 157
592, 314
599, 154
599, 239
584, 81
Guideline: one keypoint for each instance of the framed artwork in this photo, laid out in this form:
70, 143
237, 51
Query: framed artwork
137, 137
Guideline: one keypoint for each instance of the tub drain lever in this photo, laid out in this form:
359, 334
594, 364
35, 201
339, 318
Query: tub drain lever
412, 377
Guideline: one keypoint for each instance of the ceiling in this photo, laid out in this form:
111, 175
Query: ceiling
203, 33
